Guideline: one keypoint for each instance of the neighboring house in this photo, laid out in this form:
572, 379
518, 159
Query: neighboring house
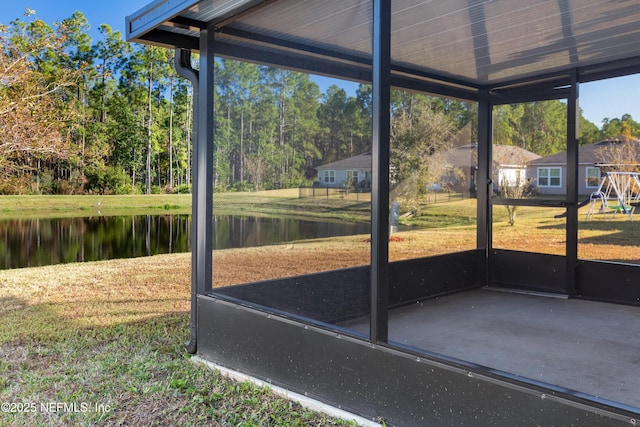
355, 171
509, 166
549, 173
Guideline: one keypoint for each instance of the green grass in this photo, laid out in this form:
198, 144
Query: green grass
109, 337
443, 215
277, 203
134, 374
90, 205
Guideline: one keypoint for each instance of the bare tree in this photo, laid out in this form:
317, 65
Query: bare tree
420, 137
513, 190
511, 180
620, 154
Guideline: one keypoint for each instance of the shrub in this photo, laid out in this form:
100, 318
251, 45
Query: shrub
14, 185
183, 189
108, 180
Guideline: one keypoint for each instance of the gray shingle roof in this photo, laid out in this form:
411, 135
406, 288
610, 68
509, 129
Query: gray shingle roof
359, 162
466, 155
588, 154
463, 156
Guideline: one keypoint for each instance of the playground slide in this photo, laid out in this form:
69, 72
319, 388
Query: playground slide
581, 204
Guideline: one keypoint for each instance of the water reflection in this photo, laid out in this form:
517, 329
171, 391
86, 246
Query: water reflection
35, 242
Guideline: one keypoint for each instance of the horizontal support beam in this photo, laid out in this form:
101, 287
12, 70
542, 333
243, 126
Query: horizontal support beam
339, 69
170, 39
296, 62
529, 202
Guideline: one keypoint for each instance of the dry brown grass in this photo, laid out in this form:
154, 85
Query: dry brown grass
93, 294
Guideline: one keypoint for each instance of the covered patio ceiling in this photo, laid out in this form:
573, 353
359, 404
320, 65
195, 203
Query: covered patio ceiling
463, 45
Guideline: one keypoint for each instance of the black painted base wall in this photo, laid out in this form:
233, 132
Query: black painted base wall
340, 295
417, 279
527, 270
330, 297
270, 330
595, 280
379, 382
609, 282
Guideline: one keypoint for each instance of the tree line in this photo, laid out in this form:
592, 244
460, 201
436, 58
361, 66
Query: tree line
82, 116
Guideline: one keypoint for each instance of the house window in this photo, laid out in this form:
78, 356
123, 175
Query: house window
352, 177
549, 177
511, 177
329, 176
593, 177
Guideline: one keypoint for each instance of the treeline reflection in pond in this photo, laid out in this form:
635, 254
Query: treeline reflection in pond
36, 242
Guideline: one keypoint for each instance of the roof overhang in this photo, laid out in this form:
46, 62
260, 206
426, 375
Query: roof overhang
449, 47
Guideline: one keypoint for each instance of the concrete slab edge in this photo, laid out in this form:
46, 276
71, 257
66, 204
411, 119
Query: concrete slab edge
305, 401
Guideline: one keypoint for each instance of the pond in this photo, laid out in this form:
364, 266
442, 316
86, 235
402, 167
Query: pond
36, 242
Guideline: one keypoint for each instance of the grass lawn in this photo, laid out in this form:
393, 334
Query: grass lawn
90, 205
109, 337
268, 203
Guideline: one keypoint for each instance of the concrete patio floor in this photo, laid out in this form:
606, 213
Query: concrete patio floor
585, 346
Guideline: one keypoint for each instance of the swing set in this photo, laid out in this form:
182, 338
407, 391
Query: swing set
619, 192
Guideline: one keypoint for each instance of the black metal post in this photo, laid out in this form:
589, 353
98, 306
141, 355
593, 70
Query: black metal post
203, 173
572, 184
380, 171
483, 180
182, 63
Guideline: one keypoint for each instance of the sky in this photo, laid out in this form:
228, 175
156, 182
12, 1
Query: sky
598, 100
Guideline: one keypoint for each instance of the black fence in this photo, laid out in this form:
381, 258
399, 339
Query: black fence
365, 194
334, 192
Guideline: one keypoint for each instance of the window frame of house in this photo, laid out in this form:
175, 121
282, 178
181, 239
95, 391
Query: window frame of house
549, 176
590, 178
328, 176
352, 174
